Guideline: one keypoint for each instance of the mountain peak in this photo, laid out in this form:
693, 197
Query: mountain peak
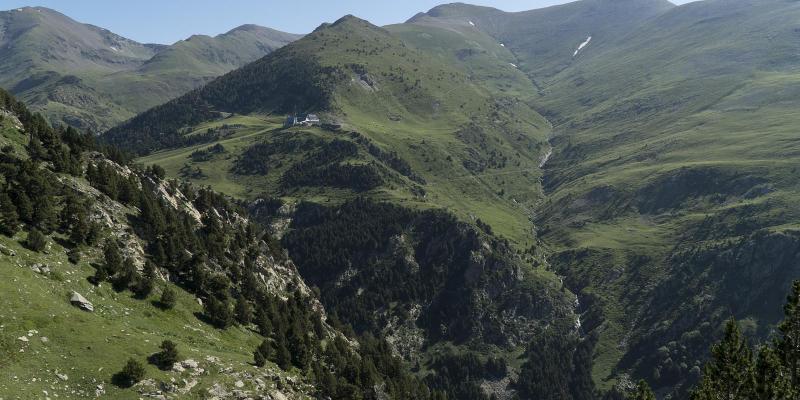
350, 19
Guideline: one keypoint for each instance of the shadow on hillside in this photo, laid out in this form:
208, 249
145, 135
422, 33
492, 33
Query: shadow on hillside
122, 381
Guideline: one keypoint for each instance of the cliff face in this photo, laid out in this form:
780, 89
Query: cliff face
393, 270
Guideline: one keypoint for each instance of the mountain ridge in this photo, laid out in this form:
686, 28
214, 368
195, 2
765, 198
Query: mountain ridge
87, 76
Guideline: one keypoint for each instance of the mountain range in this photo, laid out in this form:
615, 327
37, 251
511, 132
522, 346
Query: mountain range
554, 203
89, 77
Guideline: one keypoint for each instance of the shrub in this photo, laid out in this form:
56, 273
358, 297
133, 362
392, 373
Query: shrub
168, 355
132, 373
262, 353
168, 299
36, 241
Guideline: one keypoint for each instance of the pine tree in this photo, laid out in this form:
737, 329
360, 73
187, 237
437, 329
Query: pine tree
282, 357
44, 214
132, 373
168, 298
298, 346
258, 359
729, 373
36, 241
112, 257
9, 219
100, 275
772, 381
643, 392
24, 206
167, 356
125, 276
80, 229
264, 323
262, 353
244, 312
788, 344
146, 283
74, 220
218, 312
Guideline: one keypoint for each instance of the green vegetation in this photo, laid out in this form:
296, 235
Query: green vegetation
105, 79
735, 373
199, 240
435, 208
673, 155
168, 355
405, 137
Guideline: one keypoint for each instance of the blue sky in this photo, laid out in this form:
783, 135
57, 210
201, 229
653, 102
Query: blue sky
167, 21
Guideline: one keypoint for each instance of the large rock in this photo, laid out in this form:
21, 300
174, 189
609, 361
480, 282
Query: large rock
79, 301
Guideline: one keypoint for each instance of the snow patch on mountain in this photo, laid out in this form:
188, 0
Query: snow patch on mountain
582, 45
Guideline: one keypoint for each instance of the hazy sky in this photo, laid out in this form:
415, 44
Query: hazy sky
167, 21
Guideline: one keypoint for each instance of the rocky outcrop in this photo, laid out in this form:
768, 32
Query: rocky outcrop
79, 301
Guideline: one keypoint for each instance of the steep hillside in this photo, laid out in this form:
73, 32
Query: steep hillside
107, 265
674, 151
546, 40
667, 196
432, 134
89, 77
408, 207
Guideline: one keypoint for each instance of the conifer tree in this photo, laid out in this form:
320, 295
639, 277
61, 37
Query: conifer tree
168, 355
24, 206
112, 257
44, 214
729, 373
9, 219
100, 275
262, 353
643, 392
218, 312
168, 298
264, 323
298, 346
145, 284
244, 312
126, 275
132, 373
282, 357
788, 344
772, 381
35, 241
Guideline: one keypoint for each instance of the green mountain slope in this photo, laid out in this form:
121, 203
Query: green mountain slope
88, 77
441, 124
674, 151
365, 202
667, 189
545, 40
89, 249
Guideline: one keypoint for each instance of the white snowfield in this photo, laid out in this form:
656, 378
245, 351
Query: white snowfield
582, 45
514, 65
502, 45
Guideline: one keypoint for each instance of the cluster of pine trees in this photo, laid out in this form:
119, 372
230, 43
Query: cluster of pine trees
325, 167
280, 82
772, 371
391, 158
30, 194
459, 375
217, 258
